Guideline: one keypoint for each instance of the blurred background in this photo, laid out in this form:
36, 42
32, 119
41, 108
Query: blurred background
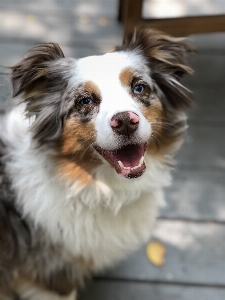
191, 224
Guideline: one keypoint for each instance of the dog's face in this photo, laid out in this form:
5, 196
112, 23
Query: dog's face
115, 93
110, 108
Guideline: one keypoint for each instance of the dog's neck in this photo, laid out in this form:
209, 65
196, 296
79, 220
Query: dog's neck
48, 201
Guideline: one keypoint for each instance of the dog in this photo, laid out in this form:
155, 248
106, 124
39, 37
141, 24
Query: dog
84, 156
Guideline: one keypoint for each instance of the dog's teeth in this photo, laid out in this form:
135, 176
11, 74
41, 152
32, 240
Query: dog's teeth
120, 164
129, 168
139, 165
141, 160
135, 167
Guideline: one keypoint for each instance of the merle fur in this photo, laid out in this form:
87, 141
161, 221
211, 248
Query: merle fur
41, 81
166, 56
24, 250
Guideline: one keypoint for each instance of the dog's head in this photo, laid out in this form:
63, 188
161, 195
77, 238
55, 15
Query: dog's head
112, 107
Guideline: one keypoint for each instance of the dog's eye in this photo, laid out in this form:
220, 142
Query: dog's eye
86, 101
139, 88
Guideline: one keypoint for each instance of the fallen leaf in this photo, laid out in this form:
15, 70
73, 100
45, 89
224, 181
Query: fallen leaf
155, 252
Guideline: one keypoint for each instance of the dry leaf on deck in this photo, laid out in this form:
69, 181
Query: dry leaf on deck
155, 252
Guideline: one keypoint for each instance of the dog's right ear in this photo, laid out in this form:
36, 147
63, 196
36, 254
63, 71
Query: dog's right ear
166, 56
32, 71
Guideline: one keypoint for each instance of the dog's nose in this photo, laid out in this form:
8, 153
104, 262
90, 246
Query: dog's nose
125, 123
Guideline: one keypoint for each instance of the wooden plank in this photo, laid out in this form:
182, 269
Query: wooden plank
63, 28
195, 255
179, 26
208, 43
109, 290
12, 51
204, 148
195, 195
209, 107
186, 25
209, 72
121, 10
132, 11
107, 8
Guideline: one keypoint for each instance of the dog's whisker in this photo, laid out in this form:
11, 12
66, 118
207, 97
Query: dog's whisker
162, 125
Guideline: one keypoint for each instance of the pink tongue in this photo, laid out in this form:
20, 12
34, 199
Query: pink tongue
130, 155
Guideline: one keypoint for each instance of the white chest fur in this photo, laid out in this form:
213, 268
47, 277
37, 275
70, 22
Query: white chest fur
105, 237
101, 221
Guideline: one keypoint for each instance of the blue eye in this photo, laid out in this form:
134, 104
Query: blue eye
139, 88
86, 101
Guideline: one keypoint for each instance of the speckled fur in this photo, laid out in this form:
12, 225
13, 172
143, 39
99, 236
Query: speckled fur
27, 252
56, 229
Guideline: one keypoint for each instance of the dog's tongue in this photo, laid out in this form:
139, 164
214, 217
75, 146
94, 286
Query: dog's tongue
128, 161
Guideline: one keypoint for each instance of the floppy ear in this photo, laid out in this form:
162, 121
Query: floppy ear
40, 79
167, 61
34, 68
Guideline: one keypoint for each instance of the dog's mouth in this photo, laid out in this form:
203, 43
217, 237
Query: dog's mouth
127, 161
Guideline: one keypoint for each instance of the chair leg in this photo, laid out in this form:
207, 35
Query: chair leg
132, 14
120, 10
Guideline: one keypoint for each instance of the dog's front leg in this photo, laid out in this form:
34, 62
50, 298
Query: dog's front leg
26, 290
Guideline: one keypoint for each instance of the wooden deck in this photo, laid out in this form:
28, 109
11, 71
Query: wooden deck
192, 224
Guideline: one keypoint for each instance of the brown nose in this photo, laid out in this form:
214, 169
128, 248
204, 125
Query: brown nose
125, 123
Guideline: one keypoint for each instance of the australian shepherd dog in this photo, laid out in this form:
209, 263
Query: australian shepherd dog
84, 156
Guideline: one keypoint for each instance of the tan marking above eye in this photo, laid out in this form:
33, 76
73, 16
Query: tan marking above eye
126, 76
92, 88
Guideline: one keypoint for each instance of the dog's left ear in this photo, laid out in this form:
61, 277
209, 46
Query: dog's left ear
167, 61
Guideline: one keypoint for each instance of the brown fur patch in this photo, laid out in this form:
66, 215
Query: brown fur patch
92, 88
126, 76
76, 159
166, 131
154, 114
